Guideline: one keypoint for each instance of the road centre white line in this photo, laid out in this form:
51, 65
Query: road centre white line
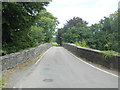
36, 63
42, 56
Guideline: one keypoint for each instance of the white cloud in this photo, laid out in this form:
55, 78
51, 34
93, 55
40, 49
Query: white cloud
90, 10
66, 2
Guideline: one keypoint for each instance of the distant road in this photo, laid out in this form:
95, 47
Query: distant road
59, 69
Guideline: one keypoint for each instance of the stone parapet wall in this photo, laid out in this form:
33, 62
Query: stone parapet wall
14, 59
94, 56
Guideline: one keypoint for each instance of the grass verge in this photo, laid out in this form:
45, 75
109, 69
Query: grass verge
82, 44
55, 44
110, 53
2, 83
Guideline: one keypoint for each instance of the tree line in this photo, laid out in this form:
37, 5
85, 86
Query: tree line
101, 36
26, 25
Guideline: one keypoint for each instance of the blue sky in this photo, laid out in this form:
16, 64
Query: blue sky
90, 10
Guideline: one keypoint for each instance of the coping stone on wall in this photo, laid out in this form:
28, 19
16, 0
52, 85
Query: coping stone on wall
14, 59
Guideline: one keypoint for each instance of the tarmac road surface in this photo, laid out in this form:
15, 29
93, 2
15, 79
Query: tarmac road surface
57, 68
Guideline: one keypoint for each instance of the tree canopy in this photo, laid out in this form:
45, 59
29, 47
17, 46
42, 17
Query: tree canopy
28, 24
101, 36
25, 25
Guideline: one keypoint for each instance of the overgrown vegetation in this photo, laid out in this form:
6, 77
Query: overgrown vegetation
82, 44
1, 51
25, 25
2, 83
110, 53
55, 44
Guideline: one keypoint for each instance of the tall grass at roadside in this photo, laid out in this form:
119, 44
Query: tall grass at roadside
106, 54
110, 53
2, 83
82, 44
55, 44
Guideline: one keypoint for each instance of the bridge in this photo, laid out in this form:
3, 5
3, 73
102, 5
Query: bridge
59, 68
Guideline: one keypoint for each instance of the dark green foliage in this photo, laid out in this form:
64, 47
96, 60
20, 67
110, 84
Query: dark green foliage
75, 30
59, 37
119, 30
102, 36
105, 33
48, 23
74, 22
17, 18
25, 25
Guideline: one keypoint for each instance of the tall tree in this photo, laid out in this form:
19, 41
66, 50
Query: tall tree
48, 22
17, 18
74, 29
59, 37
102, 36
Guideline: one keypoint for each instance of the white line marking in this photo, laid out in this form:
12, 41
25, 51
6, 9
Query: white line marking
35, 63
92, 65
42, 56
39, 59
